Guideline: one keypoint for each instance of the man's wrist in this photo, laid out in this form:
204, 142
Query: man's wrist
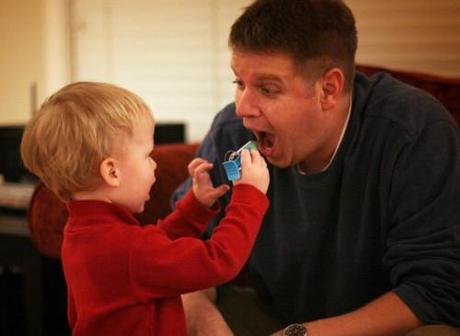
295, 329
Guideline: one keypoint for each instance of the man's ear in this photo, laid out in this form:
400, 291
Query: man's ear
332, 83
110, 172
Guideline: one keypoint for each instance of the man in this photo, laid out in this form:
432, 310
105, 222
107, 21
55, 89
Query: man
363, 232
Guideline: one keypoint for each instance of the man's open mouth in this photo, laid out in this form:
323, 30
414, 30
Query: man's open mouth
266, 142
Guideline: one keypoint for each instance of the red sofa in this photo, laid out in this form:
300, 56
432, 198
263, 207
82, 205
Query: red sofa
47, 215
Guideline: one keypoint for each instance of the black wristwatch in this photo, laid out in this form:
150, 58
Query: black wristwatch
295, 329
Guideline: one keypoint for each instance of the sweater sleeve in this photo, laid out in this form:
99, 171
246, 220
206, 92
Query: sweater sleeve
423, 246
71, 310
162, 267
190, 218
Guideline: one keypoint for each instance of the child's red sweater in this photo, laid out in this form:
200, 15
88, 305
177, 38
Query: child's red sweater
126, 279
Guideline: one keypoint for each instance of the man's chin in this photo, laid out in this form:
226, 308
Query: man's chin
277, 162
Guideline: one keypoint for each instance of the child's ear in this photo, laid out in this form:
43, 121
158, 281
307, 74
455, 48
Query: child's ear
109, 172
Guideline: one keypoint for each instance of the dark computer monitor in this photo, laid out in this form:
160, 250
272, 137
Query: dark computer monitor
11, 166
169, 133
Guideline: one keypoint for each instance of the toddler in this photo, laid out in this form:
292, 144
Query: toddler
91, 144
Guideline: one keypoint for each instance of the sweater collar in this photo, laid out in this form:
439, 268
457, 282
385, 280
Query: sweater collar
90, 210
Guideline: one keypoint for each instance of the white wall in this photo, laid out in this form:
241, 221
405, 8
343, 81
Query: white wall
21, 58
171, 52
174, 52
34, 58
418, 35
56, 44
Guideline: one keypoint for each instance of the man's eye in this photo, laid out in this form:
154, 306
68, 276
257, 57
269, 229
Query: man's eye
265, 90
268, 90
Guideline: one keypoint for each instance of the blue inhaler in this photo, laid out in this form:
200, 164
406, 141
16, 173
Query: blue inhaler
232, 163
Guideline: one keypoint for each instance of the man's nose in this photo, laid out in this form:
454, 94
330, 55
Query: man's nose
247, 105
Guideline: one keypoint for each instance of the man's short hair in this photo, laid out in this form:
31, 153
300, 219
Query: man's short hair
75, 130
317, 34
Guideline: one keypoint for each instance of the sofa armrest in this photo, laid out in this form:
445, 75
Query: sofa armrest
47, 214
445, 89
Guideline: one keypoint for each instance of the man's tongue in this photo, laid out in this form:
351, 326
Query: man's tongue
266, 144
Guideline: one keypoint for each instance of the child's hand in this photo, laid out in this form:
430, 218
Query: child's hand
254, 170
202, 185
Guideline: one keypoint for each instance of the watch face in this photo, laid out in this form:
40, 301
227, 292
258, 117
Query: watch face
295, 330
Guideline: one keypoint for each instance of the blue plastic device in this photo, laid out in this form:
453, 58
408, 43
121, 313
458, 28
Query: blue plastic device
232, 166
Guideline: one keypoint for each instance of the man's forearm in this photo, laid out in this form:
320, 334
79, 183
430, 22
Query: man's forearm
386, 316
202, 315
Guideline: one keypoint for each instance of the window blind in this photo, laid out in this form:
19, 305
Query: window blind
174, 52
417, 35
171, 52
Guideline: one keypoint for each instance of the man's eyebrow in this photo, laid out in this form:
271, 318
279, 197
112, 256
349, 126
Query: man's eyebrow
262, 76
267, 77
233, 69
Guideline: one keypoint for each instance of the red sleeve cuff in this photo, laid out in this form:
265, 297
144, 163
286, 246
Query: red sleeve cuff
246, 193
190, 206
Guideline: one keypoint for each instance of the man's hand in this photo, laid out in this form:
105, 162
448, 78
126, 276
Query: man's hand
202, 316
202, 185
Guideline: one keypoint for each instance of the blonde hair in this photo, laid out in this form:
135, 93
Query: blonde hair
74, 131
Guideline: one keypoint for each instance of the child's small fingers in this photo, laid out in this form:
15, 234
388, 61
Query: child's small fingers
203, 167
257, 158
245, 157
194, 164
200, 177
255, 155
220, 190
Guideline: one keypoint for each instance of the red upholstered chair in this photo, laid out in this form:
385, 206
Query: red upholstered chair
47, 214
